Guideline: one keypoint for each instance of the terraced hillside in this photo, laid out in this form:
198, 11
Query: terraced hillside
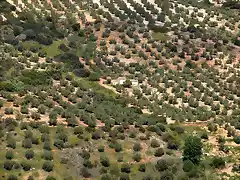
119, 89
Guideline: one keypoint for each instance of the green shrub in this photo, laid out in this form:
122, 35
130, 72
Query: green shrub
194, 173
1, 134
87, 163
125, 168
161, 165
106, 177
237, 42
9, 155
118, 147
42, 109
78, 130
8, 111
17, 166
236, 139
173, 144
142, 167
100, 148
179, 129
187, 166
24, 109
8, 164
28, 134
27, 143
30, 178
47, 145
159, 152
85, 173
12, 177
58, 143
47, 166
26, 166
120, 158
1, 103
35, 116
29, 154
47, 155
45, 137
35, 140
36, 78
114, 170
96, 135
104, 161
137, 147
50, 178
204, 136
154, 143
62, 136
147, 177
236, 168
94, 76
44, 129
124, 176
212, 127
192, 149
52, 121
137, 157
85, 154
132, 134
166, 175
103, 170
218, 162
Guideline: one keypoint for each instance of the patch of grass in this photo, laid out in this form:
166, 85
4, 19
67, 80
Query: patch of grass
150, 152
29, 44
84, 50
73, 140
35, 78
75, 38
97, 88
12, 85
111, 154
53, 50
127, 157
191, 129
60, 171
128, 144
158, 36
150, 169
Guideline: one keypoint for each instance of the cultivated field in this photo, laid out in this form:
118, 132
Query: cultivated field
119, 89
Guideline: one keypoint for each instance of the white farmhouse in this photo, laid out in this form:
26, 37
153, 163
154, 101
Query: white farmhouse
134, 82
121, 80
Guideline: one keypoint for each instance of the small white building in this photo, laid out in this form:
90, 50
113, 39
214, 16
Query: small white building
121, 80
134, 82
